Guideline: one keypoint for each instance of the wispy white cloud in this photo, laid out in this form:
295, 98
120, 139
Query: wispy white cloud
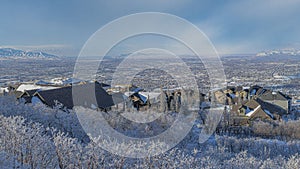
232, 26
251, 26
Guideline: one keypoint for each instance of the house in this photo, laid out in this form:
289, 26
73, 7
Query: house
255, 102
137, 98
78, 95
244, 113
277, 98
232, 95
255, 108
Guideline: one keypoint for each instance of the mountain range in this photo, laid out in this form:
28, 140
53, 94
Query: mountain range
278, 52
10, 53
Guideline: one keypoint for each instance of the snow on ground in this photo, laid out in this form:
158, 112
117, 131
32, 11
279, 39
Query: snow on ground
7, 161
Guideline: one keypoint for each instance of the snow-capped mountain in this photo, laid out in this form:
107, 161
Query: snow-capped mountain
16, 53
286, 52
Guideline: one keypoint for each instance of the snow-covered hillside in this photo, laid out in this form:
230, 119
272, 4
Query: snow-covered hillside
40, 137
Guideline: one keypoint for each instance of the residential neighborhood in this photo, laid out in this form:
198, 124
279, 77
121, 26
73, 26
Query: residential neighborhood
246, 104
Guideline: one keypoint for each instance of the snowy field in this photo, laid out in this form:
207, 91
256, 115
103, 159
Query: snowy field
40, 137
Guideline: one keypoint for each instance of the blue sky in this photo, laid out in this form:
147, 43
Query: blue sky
234, 27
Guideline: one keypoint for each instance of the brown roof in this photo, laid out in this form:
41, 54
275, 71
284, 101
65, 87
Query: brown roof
260, 113
235, 107
252, 104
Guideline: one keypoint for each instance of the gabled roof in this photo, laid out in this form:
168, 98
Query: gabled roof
254, 110
31, 92
269, 95
83, 96
263, 107
271, 107
252, 104
258, 112
252, 113
27, 87
28, 93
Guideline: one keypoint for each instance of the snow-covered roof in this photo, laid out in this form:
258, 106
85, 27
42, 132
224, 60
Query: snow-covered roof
253, 111
24, 87
3, 89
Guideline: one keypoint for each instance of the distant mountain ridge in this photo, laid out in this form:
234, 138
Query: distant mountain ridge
278, 55
17, 53
286, 52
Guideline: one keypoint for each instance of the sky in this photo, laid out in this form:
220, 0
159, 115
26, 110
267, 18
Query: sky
233, 27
